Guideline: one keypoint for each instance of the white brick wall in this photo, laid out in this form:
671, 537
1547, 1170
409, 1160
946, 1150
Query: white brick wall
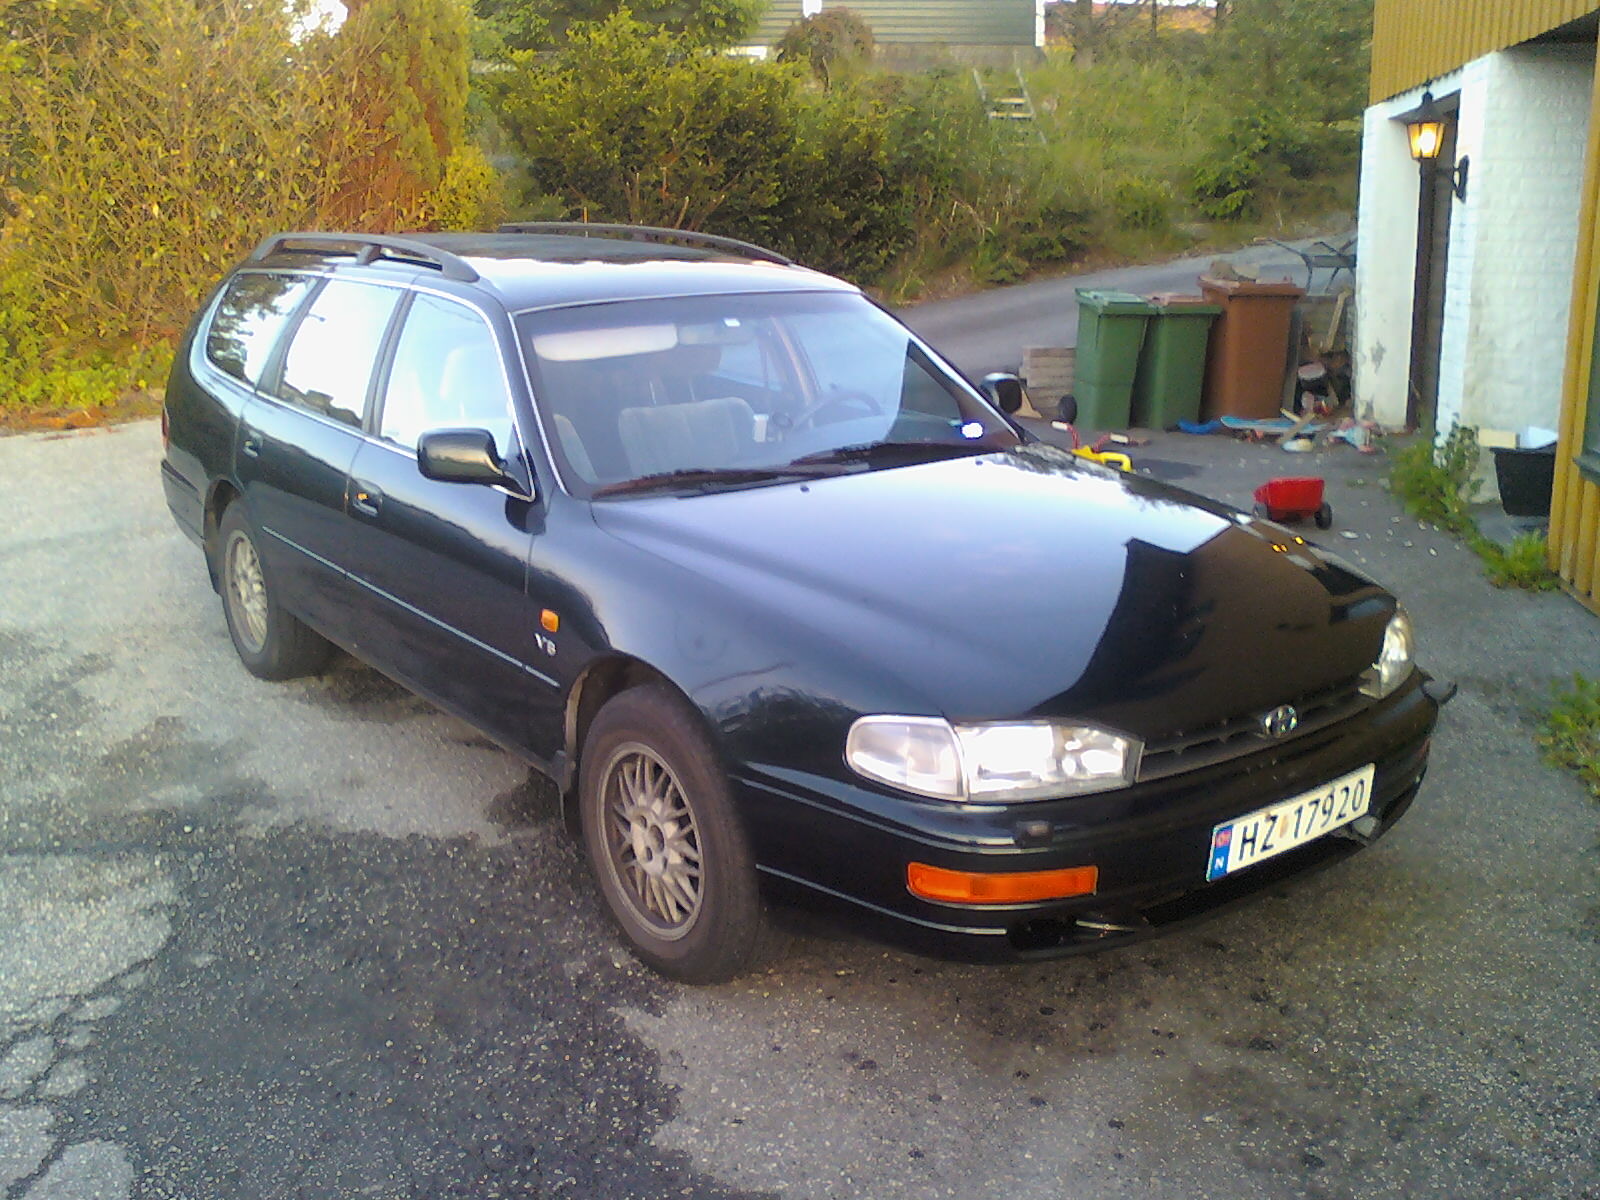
1523, 124
1513, 312
1462, 282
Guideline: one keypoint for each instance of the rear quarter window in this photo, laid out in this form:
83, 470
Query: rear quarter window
249, 319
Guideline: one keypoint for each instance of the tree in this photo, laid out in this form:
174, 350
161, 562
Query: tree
1309, 57
831, 39
1089, 26
398, 76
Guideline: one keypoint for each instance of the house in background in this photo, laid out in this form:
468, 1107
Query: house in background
982, 32
1478, 267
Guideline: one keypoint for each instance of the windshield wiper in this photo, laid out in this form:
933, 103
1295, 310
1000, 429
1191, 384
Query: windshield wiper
896, 450
706, 478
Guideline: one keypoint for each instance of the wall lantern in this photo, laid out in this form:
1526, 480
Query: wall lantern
1427, 138
1425, 133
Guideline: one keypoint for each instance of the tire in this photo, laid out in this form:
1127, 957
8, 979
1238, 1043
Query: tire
271, 642
1260, 511
1324, 517
676, 872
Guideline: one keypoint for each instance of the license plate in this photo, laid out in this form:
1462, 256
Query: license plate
1293, 822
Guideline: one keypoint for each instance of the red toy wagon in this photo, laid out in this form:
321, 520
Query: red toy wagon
1293, 499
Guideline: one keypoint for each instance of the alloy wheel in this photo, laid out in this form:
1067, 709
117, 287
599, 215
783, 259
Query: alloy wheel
652, 843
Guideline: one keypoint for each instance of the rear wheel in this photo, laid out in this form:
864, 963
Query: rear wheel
272, 643
667, 850
1324, 517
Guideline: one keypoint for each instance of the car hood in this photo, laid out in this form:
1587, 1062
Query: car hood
1026, 583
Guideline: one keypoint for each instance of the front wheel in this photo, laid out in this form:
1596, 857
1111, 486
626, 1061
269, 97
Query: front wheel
272, 643
672, 862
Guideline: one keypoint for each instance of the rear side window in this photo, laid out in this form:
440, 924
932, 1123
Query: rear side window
249, 319
329, 363
446, 373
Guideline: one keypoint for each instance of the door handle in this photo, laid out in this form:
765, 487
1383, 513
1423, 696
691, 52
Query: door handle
251, 446
366, 499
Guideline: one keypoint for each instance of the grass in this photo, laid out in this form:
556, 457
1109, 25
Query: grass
1570, 733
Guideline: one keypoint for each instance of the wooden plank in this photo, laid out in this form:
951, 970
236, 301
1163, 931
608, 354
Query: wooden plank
1574, 507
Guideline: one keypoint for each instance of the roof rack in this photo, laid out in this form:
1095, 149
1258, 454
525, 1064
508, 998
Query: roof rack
648, 233
369, 247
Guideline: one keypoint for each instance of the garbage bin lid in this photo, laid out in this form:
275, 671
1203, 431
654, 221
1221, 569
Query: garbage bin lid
1176, 302
1249, 287
1116, 303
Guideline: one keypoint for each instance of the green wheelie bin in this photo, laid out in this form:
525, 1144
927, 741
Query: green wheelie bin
1111, 331
1172, 369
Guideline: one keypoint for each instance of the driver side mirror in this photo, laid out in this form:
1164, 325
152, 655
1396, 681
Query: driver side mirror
463, 456
1004, 391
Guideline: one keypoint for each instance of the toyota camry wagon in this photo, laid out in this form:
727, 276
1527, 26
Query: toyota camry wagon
788, 610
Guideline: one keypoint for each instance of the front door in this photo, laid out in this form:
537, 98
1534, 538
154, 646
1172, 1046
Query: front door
1434, 209
447, 563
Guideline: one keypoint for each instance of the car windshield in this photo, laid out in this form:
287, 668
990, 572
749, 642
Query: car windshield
705, 392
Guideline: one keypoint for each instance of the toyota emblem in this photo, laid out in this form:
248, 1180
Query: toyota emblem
1280, 722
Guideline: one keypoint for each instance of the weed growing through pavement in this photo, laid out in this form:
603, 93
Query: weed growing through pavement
1522, 564
1570, 735
1435, 483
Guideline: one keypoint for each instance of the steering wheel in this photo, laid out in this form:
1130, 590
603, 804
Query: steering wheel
852, 402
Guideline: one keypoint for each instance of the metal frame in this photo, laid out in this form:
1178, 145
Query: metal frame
647, 233
366, 248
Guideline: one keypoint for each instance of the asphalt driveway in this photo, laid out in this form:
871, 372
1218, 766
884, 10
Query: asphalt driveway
318, 940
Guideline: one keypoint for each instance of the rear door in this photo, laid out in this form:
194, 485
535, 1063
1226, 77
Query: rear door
297, 439
226, 365
445, 564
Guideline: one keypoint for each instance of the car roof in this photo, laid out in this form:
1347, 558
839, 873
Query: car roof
541, 270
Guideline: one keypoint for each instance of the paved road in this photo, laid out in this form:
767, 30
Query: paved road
316, 940
987, 332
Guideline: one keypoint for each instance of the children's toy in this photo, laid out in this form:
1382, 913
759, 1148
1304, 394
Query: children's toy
1096, 453
1294, 498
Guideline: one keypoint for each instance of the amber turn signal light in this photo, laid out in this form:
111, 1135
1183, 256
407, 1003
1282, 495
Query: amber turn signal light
550, 620
999, 887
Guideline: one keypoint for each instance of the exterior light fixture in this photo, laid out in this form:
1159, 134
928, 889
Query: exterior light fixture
1427, 138
1425, 134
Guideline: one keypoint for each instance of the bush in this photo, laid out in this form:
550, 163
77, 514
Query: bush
470, 194
630, 122
150, 143
1142, 203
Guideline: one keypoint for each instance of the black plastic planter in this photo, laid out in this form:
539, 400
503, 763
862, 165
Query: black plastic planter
1526, 478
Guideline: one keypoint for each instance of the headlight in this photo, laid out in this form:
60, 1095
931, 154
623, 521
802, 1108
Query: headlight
990, 764
1394, 661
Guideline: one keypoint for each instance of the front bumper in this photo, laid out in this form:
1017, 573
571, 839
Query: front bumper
844, 846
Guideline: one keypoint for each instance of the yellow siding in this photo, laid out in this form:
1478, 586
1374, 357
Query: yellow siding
1575, 502
1415, 40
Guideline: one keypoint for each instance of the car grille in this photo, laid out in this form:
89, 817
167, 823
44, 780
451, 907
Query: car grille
1192, 749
